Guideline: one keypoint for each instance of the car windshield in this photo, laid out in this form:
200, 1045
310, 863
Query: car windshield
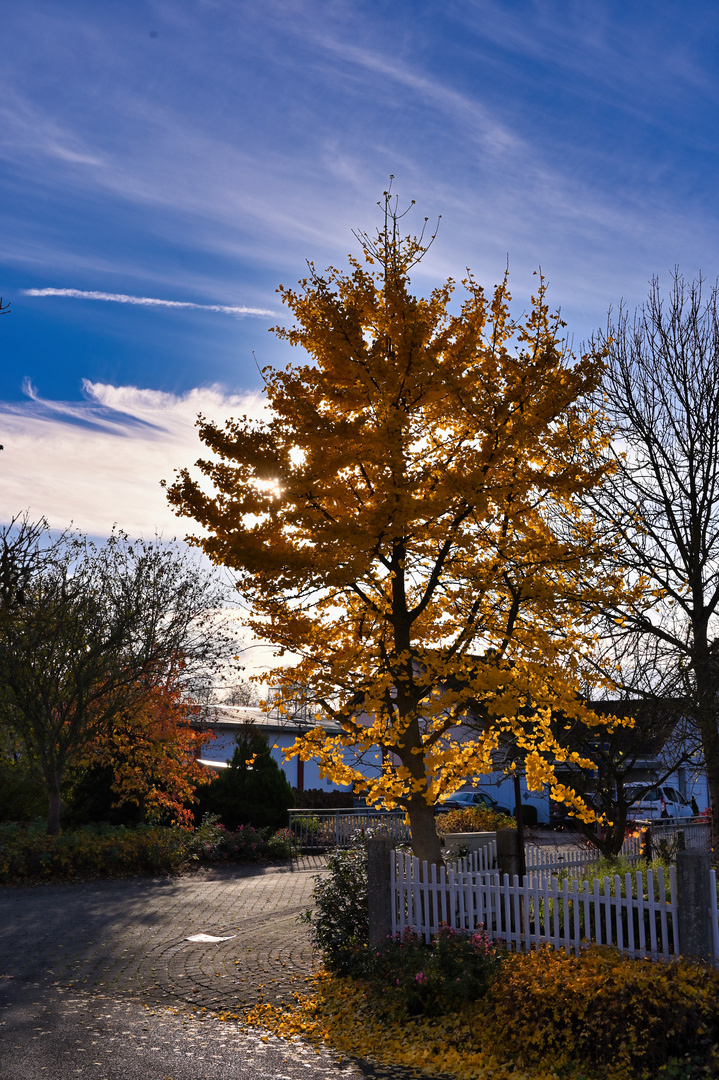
639, 794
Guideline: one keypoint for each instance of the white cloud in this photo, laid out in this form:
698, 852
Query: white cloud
147, 301
100, 461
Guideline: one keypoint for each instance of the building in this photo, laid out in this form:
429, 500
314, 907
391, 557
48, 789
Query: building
223, 721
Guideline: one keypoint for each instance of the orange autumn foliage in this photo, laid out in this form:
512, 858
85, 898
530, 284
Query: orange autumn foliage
153, 752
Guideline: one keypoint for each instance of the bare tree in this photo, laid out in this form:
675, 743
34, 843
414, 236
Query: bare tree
25, 547
661, 398
242, 693
629, 760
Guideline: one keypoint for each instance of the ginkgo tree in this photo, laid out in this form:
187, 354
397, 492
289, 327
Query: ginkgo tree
406, 522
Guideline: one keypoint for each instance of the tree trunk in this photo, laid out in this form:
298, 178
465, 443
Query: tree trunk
707, 723
611, 844
706, 703
425, 842
53, 816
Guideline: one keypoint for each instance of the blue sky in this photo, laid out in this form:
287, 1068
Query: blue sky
199, 152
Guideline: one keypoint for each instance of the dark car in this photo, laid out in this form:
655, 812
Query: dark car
463, 799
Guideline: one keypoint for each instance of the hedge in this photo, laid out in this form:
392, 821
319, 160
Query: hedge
29, 854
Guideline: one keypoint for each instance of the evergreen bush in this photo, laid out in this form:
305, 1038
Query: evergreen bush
253, 790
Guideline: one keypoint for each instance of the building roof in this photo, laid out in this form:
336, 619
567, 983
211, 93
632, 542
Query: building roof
231, 717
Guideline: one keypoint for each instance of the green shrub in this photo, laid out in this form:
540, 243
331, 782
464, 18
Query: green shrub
30, 854
212, 842
88, 797
339, 925
412, 978
22, 795
253, 790
306, 825
281, 845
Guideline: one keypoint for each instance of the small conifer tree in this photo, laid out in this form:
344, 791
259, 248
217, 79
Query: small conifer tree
253, 790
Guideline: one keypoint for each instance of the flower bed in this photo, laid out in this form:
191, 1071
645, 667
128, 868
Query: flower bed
465, 1009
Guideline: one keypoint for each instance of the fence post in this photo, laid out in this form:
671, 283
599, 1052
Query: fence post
694, 904
647, 852
379, 889
508, 861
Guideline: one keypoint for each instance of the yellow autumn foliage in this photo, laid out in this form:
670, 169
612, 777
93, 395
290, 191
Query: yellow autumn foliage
473, 819
598, 1015
407, 523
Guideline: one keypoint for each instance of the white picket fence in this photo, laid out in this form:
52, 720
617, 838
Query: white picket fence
542, 862
631, 914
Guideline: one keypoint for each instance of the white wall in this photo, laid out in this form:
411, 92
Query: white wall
222, 747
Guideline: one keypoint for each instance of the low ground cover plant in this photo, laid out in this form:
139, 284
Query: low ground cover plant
547, 1015
28, 853
612, 1015
621, 867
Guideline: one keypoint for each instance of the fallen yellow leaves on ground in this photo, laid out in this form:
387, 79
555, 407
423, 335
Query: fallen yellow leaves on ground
338, 1013
595, 1016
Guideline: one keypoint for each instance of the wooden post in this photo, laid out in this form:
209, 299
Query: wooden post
694, 907
522, 862
508, 852
379, 889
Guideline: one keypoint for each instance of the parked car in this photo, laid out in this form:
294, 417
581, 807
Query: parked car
659, 801
463, 799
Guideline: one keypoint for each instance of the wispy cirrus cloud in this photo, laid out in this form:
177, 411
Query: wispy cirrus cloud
99, 461
148, 301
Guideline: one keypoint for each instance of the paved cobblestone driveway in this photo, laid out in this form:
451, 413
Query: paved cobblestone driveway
130, 935
98, 979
